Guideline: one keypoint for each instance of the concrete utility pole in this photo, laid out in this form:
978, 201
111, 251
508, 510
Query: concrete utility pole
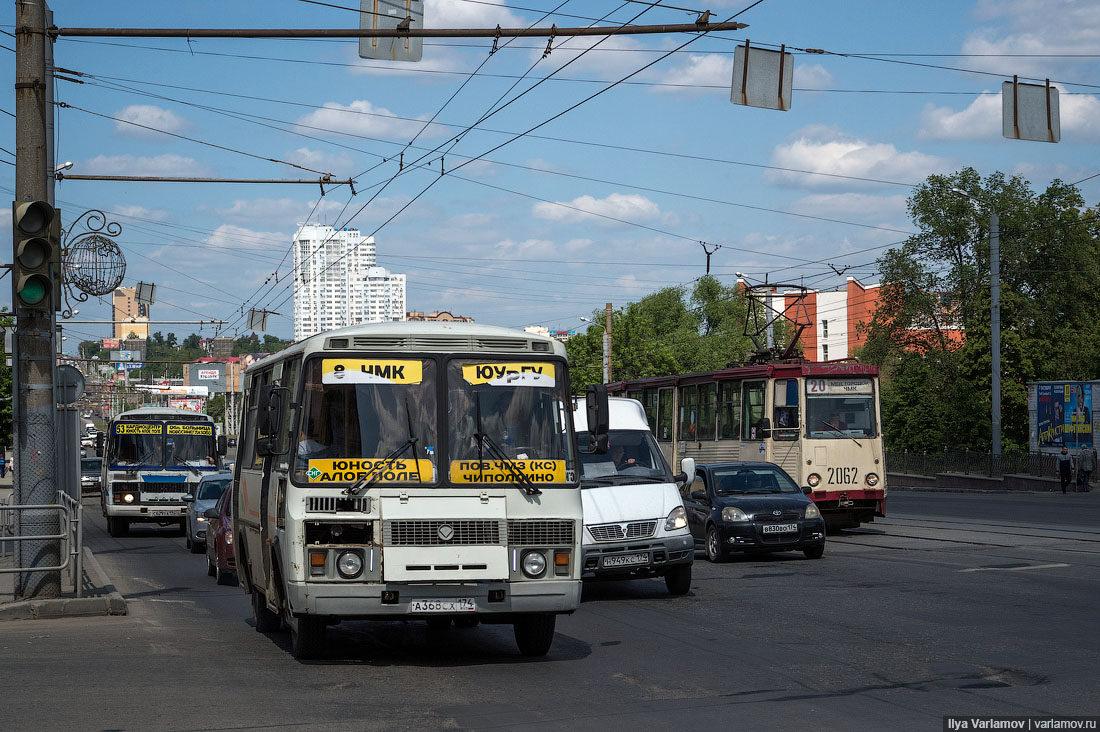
607, 344
35, 404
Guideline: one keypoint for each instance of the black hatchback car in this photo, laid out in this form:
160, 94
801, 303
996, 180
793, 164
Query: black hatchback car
752, 507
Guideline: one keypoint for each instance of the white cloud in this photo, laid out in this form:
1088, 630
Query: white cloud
167, 165
140, 212
887, 210
825, 150
813, 76
698, 70
339, 164
628, 207
526, 249
1048, 27
614, 58
363, 118
1079, 115
463, 14
284, 211
437, 58
149, 116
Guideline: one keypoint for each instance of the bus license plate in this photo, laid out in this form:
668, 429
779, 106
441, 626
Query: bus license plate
461, 605
780, 528
626, 560
158, 514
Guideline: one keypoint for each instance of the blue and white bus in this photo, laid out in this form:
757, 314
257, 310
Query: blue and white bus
155, 455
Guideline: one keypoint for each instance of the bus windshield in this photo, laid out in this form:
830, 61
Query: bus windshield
504, 417
368, 418
137, 445
189, 445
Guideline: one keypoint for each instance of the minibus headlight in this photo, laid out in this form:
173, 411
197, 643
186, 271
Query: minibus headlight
871, 479
812, 512
813, 480
534, 564
677, 519
349, 564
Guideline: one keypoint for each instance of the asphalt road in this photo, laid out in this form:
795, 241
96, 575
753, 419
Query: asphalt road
975, 605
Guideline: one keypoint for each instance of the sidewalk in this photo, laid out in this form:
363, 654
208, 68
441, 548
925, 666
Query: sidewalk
99, 596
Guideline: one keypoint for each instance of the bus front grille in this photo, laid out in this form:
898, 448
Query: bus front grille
526, 532
442, 532
334, 504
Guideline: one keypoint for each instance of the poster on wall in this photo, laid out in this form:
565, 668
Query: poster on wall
1064, 415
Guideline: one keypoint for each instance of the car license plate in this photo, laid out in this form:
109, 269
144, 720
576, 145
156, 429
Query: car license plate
164, 513
780, 528
626, 560
461, 605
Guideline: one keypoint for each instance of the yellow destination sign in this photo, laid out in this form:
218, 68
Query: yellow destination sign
509, 374
371, 371
190, 429
350, 470
138, 429
496, 471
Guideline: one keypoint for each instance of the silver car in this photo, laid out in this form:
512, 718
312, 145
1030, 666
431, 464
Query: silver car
206, 495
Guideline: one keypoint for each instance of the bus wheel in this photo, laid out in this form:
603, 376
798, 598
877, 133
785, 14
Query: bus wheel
439, 623
307, 636
467, 621
265, 620
117, 526
678, 579
715, 551
534, 633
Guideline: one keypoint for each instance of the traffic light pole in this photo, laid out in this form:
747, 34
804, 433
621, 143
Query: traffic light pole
35, 479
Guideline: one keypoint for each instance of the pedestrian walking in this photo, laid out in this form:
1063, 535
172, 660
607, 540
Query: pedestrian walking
1086, 463
1065, 467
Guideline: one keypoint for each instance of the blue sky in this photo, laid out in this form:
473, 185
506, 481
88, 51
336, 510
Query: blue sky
604, 203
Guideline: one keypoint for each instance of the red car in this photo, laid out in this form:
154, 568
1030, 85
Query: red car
220, 562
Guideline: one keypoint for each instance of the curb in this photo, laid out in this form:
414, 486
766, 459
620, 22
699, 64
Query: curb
113, 603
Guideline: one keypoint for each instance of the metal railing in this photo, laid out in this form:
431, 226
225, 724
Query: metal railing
71, 536
972, 463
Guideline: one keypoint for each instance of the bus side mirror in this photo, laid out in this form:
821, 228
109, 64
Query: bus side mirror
223, 445
99, 443
269, 412
765, 429
599, 418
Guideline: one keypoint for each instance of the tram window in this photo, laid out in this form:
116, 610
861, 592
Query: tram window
707, 398
752, 411
785, 410
729, 411
650, 400
664, 415
689, 412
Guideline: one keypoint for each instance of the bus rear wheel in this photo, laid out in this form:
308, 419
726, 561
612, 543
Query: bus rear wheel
118, 526
534, 633
307, 636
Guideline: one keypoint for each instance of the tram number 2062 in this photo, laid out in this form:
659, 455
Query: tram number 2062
843, 476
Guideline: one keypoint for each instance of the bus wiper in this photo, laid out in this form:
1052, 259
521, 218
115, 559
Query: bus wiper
839, 431
483, 441
387, 461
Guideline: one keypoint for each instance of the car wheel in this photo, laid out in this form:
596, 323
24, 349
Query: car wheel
814, 552
534, 633
307, 636
183, 528
188, 544
467, 621
265, 620
196, 547
715, 551
211, 570
678, 579
224, 576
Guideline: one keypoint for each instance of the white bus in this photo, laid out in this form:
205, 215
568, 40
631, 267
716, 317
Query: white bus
410, 471
155, 455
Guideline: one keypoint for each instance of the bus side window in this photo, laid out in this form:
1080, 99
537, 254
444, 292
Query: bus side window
253, 423
289, 379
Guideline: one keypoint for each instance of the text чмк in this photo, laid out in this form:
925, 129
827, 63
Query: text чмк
392, 372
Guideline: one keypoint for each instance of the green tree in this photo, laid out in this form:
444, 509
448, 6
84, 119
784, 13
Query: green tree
931, 332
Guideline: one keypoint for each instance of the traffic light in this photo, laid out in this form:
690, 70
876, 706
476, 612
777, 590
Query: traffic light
37, 251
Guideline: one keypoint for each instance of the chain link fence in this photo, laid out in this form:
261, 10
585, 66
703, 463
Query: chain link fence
972, 463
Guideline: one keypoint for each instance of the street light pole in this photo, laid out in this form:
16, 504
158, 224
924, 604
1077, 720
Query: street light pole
606, 342
994, 315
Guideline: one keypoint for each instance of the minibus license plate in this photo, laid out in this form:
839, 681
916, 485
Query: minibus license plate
780, 528
461, 605
164, 513
626, 560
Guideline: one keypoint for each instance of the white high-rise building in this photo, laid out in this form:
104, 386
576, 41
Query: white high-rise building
337, 282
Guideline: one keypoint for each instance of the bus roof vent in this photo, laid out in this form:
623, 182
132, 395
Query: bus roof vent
502, 344
380, 341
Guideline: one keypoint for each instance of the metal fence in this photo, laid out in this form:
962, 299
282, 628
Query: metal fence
71, 537
972, 463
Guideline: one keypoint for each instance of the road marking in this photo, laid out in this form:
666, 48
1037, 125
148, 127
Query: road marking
1014, 569
157, 599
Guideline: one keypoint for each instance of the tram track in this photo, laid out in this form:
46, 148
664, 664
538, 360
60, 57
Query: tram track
1090, 537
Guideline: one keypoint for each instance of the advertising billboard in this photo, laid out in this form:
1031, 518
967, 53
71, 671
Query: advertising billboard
195, 405
1063, 414
211, 375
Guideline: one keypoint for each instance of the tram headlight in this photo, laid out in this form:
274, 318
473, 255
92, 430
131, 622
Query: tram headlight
534, 564
733, 513
813, 480
812, 512
871, 479
677, 519
349, 564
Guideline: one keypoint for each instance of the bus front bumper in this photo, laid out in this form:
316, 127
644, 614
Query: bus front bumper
358, 600
148, 513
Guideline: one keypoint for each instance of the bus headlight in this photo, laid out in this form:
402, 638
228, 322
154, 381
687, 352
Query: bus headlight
534, 564
813, 480
871, 479
128, 498
732, 513
812, 512
349, 564
677, 519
